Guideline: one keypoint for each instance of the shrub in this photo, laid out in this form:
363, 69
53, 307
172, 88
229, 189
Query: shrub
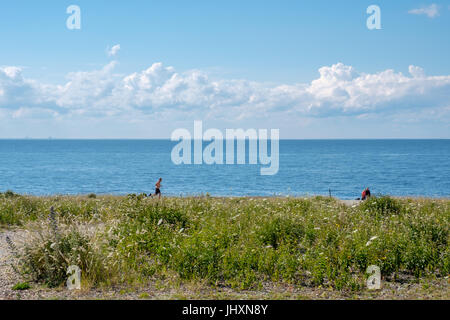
280, 229
51, 249
381, 206
10, 194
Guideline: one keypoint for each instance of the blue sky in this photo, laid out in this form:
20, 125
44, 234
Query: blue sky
228, 63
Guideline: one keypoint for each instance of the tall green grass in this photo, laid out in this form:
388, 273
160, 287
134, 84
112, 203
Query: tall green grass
238, 242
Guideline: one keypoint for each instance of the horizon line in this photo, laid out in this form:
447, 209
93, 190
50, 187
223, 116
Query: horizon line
168, 139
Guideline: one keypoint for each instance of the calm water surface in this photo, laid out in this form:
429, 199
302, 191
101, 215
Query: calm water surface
307, 167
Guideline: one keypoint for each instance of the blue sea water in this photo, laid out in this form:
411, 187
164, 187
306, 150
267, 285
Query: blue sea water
307, 167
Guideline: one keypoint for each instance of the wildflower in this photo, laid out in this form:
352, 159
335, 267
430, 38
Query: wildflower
371, 240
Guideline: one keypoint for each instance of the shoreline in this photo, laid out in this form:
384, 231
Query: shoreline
171, 196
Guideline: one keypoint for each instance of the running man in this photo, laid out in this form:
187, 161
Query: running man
157, 189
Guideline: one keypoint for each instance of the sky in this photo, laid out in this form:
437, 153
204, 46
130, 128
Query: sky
141, 69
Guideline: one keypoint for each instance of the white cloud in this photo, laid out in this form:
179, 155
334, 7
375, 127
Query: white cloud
114, 50
340, 90
416, 72
16, 91
35, 113
431, 11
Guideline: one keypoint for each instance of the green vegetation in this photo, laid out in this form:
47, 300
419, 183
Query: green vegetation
21, 286
236, 242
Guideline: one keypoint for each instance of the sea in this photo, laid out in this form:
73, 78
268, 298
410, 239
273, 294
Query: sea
340, 168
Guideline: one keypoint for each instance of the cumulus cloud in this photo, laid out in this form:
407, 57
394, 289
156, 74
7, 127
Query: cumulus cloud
340, 90
114, 50
430, 11
16, 91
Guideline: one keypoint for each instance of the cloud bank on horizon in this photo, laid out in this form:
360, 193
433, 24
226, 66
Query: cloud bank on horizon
340, 90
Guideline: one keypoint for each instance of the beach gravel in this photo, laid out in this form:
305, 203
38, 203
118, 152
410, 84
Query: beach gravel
8, 276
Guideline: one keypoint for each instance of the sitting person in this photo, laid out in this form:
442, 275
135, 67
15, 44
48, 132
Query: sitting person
365, 194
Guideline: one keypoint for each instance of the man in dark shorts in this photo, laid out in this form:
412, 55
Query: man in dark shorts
157, 188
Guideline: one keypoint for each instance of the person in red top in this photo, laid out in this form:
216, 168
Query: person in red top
365, 194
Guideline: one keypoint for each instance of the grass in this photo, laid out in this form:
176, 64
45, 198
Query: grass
21, 286
240, 243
